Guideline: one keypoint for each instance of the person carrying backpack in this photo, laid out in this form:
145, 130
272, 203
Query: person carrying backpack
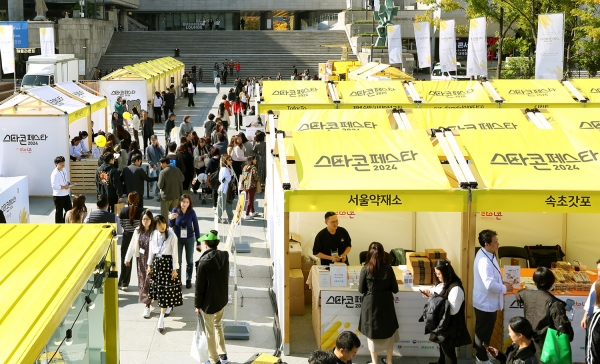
212, 173
108, 181
445, 313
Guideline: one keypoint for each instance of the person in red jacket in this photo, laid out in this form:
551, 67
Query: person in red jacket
238, 108
237, 68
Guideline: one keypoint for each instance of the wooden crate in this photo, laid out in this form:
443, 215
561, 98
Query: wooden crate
84, 174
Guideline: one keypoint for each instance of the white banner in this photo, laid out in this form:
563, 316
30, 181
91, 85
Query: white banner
14, 199
477, 51
394, 44
134, 92
423, 40
47, 41
7, 48
550, 47
447, 46
340, 311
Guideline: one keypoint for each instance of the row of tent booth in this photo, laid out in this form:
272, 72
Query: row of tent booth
37, 125
429, 178
358, 94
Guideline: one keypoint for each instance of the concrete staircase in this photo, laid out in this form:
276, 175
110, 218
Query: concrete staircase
261, 53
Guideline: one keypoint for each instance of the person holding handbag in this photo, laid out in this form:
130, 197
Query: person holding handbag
130, 218
250, 182
226, 175
184, 222
139, 247
201, 153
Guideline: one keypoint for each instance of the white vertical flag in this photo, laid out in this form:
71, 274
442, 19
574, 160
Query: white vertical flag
47, 41
7, 48
423, 40
477, 52
550, 46
447, 46
394, 44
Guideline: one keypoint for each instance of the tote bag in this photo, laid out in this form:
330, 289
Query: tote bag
556, 349
199, 350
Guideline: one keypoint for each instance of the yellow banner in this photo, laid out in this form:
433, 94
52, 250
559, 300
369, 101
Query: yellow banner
367, 160
582, 119
375, 200
295, 92
99, 105
590, 88
264, 108
560, 201
333, 120
527, 160
539, 94
372, 93
453, 94
461, 119
74, 116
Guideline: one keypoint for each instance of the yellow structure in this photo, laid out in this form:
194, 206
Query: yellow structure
46, 274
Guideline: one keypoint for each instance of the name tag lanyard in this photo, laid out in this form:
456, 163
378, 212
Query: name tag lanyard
160, 249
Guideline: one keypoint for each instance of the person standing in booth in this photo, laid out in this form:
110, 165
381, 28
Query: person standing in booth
378, 320
333, 243
61, 190
488, 292
589, 308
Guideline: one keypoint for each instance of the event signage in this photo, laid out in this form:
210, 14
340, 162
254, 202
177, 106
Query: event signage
340, 311
477, 48
373, 91
485, 126
423, 39
21, 32
374, 200
569, 201
447, 46
360, 162
47, 41
337, 125
550, 47
14, 199
540, 162
7, 48
394, 44
303, 92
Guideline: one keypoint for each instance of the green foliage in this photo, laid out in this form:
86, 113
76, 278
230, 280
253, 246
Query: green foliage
519, 68
586, 57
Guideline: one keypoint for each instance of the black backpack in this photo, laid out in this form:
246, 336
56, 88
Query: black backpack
433, 313
213, 180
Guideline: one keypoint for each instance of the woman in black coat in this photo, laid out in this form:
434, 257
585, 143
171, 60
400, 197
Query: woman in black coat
378, 321
522, 351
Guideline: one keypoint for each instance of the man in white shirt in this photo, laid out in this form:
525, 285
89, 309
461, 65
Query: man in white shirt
61, 190
488, 291
588, 308
191, 92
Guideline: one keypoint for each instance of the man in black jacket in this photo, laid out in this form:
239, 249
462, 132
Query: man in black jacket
169, 125
134, 177
212, 281
108, 181
169, 103
102, 216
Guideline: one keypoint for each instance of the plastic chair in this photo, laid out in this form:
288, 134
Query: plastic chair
514, 252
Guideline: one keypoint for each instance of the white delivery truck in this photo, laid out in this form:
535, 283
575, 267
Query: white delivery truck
47, 70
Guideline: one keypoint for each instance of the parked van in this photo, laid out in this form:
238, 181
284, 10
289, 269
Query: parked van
459, 75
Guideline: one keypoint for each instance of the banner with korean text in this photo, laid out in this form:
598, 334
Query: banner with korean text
477, 48
7, 48
423, 40
333, 120
394, 44
447, 46
47, 41
538, 94
372, 95
452, 94
549, 54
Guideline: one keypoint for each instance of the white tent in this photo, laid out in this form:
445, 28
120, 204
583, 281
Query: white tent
135, 87
33, 133
98, 105
78, 111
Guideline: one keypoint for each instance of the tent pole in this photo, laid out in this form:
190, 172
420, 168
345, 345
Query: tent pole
467, 255
286, 272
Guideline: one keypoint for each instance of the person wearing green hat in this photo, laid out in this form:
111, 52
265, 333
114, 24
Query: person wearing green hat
212, 279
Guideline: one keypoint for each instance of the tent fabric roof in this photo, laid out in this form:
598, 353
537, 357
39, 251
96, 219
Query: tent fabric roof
460, 94
42, 270
589, 87
28, 104
385, 93
533, 93
76, 109
74, 89
333, 120
295, 92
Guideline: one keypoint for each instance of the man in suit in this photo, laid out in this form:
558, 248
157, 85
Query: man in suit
169, 103
134, 176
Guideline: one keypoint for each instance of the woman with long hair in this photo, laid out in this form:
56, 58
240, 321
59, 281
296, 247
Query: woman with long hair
135, 123
201, 152
139, 248
231, 145
130, 219
78, 213
158, 101
122, 134
455, 333
115, 121
226, 174
237, 156
184, 222
213, 166
134, 148
378, 321
260, 151
163, 266
246, 144
83, 135
74, 150
250, 181
522, 351
219, 129
183, 152
123, 156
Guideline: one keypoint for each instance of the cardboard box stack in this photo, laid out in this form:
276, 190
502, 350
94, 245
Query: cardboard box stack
420, 267
296, 292
306, 267
434, 255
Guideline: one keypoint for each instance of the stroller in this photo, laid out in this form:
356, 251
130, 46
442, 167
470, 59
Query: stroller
200, 183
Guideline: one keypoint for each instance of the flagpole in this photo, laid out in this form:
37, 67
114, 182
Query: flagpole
15, 68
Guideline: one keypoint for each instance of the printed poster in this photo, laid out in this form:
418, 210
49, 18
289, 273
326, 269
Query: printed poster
477, 48
7, 48
47, 41
447, 46
423, 40
550, 46
394, 44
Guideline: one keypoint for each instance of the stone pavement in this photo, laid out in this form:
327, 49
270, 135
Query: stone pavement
141, 343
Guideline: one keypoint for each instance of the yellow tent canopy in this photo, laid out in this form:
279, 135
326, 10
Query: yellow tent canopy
370, 171
590, 88
468, 119
333, 120
453, 95
295, 95
534, 94
372, 95
583, 119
